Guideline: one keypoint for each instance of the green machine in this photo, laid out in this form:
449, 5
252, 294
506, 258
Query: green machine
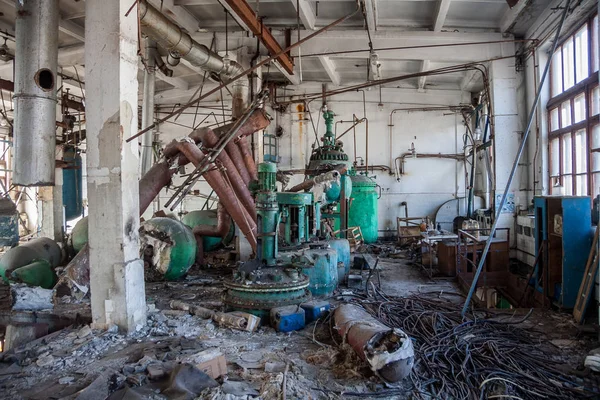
363, 207
266, 282
297, 210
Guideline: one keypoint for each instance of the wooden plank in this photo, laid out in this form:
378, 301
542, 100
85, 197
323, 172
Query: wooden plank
587, 283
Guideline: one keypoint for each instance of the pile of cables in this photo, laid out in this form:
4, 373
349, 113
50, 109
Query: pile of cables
476, 357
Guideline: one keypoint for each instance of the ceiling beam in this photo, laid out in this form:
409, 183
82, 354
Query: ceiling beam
329, 67
371, 13
512, 15
423, 79
243, 10
68, 27
294, 79
472, 82
307, 16
177, 13
340, 41
440, 14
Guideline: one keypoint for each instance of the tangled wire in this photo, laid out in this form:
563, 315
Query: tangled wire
473, 358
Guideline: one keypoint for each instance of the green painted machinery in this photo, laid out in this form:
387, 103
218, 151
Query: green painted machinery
296, 210
168, 248
266, 282
321, 267
329, 156
363, 208
208, 217
32, 263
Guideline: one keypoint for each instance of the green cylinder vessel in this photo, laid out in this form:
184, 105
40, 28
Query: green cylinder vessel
26, 253
38, 273
79, 234
208, 217
322, 271
342, 246
168, 248
363, 209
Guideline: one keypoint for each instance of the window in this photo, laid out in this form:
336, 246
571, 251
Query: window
573, 114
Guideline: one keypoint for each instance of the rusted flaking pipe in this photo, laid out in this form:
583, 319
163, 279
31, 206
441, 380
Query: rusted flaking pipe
388, 351
324, 177
224, 191
210, 139
152, 183
244, 146
220, 230
236, 156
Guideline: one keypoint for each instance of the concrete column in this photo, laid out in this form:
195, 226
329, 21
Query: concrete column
116, 272
508, 133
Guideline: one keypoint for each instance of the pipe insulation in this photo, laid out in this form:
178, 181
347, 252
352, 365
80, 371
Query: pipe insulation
148, 104
173, 39
36, 59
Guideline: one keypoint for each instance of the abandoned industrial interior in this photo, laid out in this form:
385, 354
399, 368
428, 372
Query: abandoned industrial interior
299, 199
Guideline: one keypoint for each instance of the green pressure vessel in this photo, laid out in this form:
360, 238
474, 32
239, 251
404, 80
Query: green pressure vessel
363, 209
38, 273
322, 270
79, 235
208, 217
37, 249
168, 247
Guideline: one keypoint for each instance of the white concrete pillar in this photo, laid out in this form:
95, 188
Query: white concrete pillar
503, 82
116, 272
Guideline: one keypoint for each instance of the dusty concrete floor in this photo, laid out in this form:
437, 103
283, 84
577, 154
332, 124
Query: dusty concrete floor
73, 359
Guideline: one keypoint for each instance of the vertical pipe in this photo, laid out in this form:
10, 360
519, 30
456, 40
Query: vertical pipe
36, 59
148, 104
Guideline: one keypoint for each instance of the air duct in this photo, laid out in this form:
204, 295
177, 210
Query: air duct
36, 59
173, 39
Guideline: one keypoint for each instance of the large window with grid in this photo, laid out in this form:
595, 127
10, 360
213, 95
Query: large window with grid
573, 114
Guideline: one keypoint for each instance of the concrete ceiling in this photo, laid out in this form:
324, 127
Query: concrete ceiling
392, 23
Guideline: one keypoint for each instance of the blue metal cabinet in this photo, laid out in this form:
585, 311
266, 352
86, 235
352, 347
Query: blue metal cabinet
565, 224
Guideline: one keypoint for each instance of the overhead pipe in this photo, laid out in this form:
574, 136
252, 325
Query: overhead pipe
209, 139
224, 191
148, 104
172, 38
36, 59
329, 176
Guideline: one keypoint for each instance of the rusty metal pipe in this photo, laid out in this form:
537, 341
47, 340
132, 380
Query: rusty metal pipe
152, 183
221, 229
225, 192
210, 139
388, 351
238, 159
244, 146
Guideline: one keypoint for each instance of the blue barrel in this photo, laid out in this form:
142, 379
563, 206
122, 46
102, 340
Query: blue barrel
72, 184
342, 246
322, 271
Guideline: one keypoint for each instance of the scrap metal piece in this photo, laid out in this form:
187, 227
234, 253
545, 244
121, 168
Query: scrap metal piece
388, 351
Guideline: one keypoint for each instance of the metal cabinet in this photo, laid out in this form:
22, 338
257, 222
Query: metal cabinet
563, 234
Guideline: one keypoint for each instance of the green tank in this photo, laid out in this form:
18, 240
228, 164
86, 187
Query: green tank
38, 273
37, 249
208, 217
363, 209
168, 248
79, 235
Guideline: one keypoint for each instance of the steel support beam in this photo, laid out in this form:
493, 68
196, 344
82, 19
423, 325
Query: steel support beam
243, 10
